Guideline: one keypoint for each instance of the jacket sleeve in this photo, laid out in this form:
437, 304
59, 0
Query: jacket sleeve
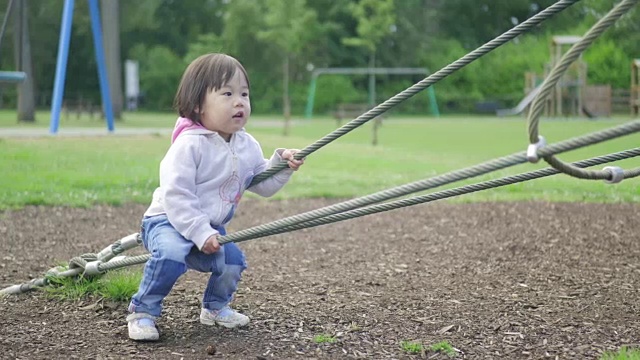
178, 184
271, 185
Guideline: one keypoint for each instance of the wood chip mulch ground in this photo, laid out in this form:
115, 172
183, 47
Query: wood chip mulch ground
494, 280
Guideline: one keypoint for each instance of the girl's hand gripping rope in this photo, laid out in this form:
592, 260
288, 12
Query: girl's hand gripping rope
211, 245
288, 155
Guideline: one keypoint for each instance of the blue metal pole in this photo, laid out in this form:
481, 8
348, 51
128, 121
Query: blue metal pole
61, 65
102, 69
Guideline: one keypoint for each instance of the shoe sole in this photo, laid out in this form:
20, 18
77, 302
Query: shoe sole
144, 337
141, 337
223, 324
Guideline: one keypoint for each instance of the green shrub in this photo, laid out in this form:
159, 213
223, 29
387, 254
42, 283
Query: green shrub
160, 73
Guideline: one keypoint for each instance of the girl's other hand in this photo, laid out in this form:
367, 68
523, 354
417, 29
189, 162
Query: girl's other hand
211, 245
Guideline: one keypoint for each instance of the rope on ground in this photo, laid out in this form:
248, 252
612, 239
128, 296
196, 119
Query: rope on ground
423, 84
611, 174
86, 264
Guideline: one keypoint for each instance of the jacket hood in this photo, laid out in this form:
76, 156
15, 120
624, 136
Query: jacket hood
184, 124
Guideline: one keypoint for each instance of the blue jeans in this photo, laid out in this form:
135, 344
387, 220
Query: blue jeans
172, 255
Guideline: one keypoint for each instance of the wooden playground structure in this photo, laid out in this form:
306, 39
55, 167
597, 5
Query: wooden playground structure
634, 99
567, 98
572, 96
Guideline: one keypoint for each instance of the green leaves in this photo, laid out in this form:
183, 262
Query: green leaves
375, 20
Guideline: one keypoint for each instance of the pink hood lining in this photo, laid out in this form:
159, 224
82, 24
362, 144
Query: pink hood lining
183, 124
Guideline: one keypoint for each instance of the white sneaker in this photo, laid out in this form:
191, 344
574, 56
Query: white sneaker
142, 327
226, 317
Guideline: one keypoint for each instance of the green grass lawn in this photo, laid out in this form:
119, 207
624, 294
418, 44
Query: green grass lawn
118, 169
8, 119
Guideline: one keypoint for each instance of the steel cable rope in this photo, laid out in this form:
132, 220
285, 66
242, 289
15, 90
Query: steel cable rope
423, 84
392, 205
453, 176
551, 81
101, 267
386, 194
421, 185
336, 211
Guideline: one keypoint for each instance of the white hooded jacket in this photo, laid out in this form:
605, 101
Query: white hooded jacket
203, 177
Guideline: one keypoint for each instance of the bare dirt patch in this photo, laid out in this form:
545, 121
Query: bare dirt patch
495, 280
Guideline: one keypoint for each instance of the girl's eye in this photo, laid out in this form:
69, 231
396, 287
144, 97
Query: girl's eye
245, 94
227, 93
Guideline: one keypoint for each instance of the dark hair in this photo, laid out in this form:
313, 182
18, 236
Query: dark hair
207, 72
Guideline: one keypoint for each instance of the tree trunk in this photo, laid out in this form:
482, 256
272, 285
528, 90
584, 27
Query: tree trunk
372, 80
286, 100
110, 10
22, 51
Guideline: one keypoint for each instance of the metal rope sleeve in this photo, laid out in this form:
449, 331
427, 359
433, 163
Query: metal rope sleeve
554, 77
423, 84
436, 181
448, 193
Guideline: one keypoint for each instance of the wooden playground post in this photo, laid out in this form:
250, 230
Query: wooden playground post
634, 99
577, 81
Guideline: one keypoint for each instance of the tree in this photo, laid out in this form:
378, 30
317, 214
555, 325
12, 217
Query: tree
111, 32
22, 50
290, 25
476, 22
376, 20
170, 23
416, 30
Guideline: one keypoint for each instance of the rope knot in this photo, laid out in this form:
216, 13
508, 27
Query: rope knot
82, 260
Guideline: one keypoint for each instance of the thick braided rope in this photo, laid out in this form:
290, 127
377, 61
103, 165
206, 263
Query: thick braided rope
467, 189
457, 175
556, 164
553, 78
82, 260
423, 84
127, 261
40, 282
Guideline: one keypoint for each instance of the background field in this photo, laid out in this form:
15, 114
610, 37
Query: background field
83, 170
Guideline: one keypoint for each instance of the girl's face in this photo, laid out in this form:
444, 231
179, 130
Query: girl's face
227, 109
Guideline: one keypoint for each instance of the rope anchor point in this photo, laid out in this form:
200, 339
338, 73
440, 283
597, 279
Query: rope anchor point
617, 174
532, 149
